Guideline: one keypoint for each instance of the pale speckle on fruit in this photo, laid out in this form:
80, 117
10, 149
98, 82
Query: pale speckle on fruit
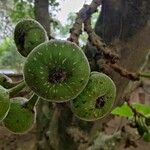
60, 84
64, 60
59, 54
45, 83
48, 86
73, 83
75, 63
40, 53
35, 59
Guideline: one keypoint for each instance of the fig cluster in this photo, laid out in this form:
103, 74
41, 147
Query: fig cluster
56, 71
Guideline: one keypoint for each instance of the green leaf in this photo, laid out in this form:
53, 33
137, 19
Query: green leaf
123, 111
142, 108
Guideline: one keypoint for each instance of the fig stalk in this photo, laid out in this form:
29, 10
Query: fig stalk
13, 91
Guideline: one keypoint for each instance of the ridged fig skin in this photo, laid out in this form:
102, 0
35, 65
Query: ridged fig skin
99, 86
4, 102
20, 119
49, 57
27, 35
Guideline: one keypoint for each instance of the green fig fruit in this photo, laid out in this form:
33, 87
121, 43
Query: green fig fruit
27, 35
97, 99
57, 70
20, 118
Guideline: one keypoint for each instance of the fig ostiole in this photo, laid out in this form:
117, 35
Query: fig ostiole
28, 34
21, 116
97, 98
57, 70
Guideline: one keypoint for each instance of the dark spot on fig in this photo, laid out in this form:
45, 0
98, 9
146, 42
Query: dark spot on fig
57, 76
100, 102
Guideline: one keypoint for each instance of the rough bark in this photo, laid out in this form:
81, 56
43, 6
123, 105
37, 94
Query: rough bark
44, 109
42, 14
125, 25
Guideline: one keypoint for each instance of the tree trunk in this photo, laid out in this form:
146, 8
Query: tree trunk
42, 14
123, 24
44, 109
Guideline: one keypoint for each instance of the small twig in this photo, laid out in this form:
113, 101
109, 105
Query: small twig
125, 73
135, 112
83, 15
96, 41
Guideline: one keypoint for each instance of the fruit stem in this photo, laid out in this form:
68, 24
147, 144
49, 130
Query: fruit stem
9, 85
53, 128
32, 102
16, 89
